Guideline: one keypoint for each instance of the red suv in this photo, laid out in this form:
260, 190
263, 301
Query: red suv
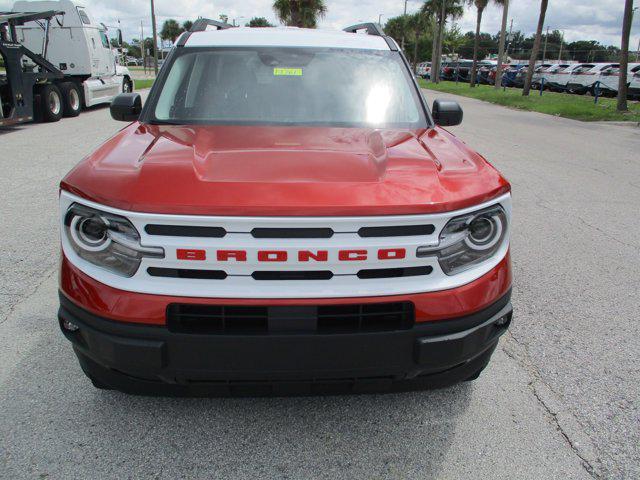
284, 215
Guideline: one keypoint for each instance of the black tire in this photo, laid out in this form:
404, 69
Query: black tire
50, 103
71, 99
127, 85
99, 385
475, 375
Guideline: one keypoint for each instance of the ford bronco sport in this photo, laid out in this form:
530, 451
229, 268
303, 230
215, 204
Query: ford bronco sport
284, 215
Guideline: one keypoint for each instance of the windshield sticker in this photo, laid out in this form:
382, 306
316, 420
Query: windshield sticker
287, 72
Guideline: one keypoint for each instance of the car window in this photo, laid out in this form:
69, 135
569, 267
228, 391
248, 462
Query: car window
290, 86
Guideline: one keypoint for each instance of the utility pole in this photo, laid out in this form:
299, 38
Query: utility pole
380, 19
544, 50
510, 39
404, 17
144, 62
155, 38
561, 42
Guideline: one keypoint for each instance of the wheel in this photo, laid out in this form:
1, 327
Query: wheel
50, 103
127, 85
71, 99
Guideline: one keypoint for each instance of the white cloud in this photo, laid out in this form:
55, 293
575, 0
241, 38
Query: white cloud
590, 19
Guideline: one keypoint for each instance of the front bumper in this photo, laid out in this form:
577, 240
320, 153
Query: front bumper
147, 359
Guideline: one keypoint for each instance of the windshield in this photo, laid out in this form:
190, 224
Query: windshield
288, 86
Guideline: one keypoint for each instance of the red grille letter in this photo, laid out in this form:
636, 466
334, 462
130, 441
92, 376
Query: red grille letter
351, 255
272, 256
237, 255
319, 256
186, 254
391, 253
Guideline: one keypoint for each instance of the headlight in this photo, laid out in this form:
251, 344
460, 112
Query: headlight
106, 240
468, 240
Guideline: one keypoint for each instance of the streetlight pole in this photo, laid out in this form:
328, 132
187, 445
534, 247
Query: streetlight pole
544, 50
155, 38
380, 19
561, 42
404, 17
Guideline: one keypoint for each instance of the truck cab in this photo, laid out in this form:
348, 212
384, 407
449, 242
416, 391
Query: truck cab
78, 46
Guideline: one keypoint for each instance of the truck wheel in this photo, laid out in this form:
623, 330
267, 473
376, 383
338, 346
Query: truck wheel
50, 103
71, 99
127, 85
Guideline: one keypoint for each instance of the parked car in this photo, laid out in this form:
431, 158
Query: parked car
633, 77
582, 79
484, 72
609, 80
458, 70
554, 76
423, 69
509, 75
214, 246
538, 74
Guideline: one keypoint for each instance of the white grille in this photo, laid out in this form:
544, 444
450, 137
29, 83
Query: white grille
239, 283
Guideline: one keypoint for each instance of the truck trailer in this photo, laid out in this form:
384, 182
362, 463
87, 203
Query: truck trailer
56, 60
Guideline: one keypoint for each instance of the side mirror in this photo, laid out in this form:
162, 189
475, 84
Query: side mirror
120, 42
126, 107
446, 113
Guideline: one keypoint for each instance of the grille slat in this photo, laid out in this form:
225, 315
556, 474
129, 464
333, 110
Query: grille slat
261, 320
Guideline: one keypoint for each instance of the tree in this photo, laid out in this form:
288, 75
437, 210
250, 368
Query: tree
300, 13
440, 10
536, 48
170, 30
503, 36
186, 26
480, 6
259, 22
624, 56
418, 23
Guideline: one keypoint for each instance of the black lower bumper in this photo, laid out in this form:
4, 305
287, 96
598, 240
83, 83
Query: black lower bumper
151, 360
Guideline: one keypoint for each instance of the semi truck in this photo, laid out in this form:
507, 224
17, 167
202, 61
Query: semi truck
55, 61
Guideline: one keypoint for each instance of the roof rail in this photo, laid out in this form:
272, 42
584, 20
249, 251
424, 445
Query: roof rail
201, 24
371, 28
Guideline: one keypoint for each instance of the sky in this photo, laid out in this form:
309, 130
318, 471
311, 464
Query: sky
580, 20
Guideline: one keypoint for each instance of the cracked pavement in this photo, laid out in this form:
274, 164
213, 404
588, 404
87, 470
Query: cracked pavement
559, 400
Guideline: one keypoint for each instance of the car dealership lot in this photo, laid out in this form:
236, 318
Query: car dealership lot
560, 399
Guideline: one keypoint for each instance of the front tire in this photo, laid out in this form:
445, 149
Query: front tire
72, 103
51, 103
127, 85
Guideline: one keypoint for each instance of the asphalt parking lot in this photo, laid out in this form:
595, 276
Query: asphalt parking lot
561, 398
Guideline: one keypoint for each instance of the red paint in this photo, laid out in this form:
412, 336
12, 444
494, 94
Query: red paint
288, 171
184, 254
391, 253
352, 255
319, 256
272, 256
123, 306
226, 255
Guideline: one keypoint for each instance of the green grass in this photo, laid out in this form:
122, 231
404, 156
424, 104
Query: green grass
139, 84
577, 107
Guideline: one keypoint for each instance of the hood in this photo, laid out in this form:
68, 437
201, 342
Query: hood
282, 171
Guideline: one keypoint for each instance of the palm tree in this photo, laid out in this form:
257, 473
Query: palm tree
440, 10
171, 30
480, 6
536, 48
417, 23
624, 56
503, 35
300, 13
